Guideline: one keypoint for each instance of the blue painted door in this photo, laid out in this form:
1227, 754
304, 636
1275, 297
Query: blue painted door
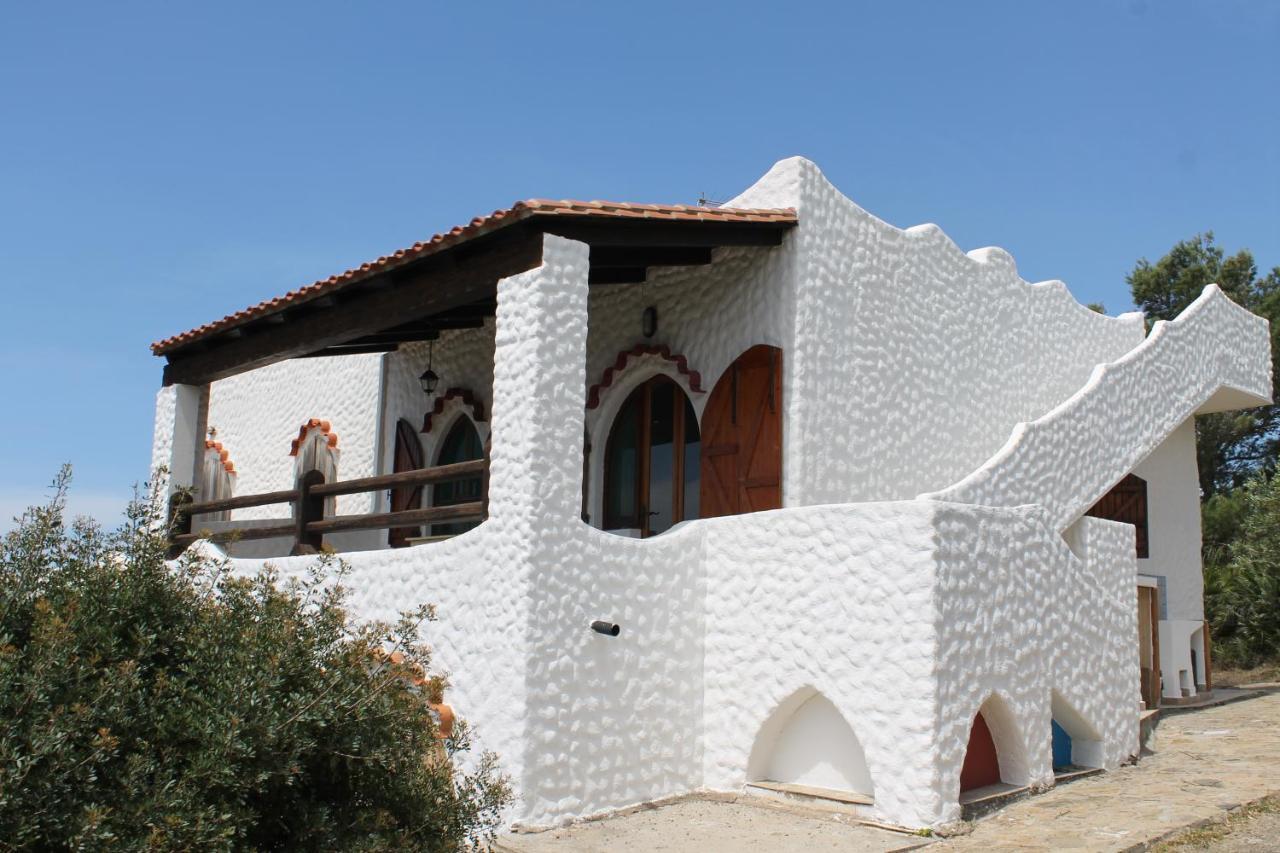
1061, 747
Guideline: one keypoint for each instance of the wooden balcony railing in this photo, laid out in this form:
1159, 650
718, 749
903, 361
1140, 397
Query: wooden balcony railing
309, 524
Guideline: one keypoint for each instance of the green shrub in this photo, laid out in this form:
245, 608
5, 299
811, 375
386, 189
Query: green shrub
148, 706
1242, 587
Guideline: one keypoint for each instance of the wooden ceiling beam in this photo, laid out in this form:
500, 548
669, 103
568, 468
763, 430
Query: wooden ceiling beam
654, 233
649, 256
616, 275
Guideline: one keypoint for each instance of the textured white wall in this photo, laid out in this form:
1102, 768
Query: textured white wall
258, 415
1071, 456
833, 599
1173, 522
910, 361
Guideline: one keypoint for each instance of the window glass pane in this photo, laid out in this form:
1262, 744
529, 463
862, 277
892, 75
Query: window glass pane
661, 456
692, 462
622, 465
462, 444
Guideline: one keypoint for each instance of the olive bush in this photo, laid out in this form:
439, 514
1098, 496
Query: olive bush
154, 705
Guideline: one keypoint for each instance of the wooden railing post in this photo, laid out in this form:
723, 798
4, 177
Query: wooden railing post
179, 523
306, 509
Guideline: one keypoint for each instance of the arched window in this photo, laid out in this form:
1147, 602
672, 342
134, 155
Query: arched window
652, 460
461, 444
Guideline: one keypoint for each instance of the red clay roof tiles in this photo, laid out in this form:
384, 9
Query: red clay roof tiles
480, 225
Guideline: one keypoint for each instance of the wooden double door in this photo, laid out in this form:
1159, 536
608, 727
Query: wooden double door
663, 467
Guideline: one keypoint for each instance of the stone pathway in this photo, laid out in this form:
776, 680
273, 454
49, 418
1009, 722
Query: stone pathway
1205, 763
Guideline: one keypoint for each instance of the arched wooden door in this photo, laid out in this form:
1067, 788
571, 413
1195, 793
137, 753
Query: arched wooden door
981, 762
408, 457
742, 437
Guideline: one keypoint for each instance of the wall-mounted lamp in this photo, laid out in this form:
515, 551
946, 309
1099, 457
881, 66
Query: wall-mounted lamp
609, 629
649, 322
429, 380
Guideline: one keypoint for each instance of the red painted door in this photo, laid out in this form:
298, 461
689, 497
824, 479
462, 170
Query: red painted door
408, 458
981, 764
742, 437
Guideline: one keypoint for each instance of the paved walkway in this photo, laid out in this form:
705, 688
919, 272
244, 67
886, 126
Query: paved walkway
1205, 763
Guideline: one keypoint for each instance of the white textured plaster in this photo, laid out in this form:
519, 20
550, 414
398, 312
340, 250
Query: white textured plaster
906, 364
1173, 522
1069, 457
909, 361
258, 415
174, 440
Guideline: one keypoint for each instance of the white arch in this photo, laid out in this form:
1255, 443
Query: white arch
807, 741
1011, 744
1086, 743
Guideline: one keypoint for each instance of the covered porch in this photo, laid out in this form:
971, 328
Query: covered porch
405, 358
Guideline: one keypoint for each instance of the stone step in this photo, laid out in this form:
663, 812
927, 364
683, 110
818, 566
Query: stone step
810, 794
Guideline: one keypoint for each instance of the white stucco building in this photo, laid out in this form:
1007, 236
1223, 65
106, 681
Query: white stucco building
837, 484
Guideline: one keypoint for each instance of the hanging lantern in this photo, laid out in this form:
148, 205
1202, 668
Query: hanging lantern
428, 380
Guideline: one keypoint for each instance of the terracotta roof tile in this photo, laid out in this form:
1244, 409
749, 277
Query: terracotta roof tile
480, 225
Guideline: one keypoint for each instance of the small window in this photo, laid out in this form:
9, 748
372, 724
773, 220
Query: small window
461, 444
651, 461
1127, 502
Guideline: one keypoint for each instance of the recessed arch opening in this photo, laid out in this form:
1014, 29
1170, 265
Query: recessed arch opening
1076, 742
996, 752
807, 742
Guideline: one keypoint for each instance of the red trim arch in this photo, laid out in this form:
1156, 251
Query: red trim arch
313, 423
467, 398
611, 372
227, 464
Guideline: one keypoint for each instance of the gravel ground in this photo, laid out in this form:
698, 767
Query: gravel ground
711, 826
1253, 829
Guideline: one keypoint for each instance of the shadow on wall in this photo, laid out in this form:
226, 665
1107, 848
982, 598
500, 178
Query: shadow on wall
807, 741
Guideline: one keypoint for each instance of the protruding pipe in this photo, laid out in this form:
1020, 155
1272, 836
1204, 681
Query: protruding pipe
609, 629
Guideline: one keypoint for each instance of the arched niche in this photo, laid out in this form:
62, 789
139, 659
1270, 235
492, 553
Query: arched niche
807, 741
1076, 742
996, 751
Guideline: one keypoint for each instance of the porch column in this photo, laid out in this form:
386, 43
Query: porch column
181, 412
539, 390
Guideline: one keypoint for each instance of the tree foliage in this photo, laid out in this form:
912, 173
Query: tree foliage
1242, 591
151, 706
1231, 446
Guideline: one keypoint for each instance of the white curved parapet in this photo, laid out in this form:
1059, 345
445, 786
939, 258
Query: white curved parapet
1215, 356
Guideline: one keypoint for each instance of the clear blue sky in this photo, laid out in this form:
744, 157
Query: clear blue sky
164, 164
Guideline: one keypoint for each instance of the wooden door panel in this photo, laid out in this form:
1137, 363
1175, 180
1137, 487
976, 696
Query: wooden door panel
742, 437
408, 457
